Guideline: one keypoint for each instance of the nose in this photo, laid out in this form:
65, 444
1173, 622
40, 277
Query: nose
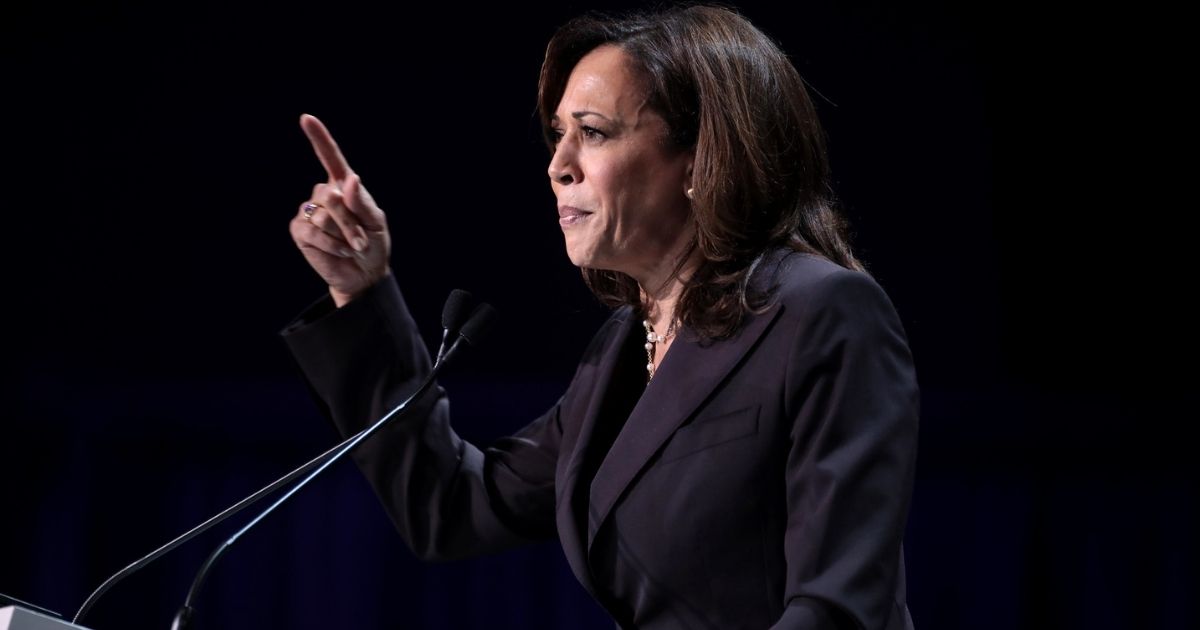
563, 169
561, 178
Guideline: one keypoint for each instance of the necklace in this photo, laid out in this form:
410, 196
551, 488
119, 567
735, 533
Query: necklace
652, 341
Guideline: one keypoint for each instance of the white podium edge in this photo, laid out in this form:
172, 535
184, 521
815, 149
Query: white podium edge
18, 618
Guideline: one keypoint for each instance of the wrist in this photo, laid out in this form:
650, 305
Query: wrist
342, 298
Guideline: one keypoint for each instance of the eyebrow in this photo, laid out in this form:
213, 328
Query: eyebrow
580, 115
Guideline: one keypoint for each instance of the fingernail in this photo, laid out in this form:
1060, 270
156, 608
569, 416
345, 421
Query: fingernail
360, 244
345, 253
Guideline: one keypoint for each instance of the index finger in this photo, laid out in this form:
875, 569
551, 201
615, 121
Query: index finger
326, 149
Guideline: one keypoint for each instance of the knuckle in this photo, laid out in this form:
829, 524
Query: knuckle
328, 196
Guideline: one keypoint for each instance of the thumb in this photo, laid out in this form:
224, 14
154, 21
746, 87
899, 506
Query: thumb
360, 202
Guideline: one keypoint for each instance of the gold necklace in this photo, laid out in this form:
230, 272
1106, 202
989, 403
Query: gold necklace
652, 340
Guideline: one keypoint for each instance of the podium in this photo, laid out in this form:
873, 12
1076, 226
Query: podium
18, 618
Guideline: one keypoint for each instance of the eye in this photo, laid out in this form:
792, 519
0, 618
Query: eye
554, 134
591, 133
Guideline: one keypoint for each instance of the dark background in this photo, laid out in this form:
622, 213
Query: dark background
1005, 168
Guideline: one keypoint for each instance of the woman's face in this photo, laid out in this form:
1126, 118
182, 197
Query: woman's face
620, 186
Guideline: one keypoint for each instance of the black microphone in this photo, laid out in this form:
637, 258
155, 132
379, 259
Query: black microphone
453, 313
472, 325
478, 323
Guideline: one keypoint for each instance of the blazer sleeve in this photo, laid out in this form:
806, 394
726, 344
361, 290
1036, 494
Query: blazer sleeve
448, 498
853, 397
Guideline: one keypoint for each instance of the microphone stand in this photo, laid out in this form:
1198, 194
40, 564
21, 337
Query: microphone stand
201, 528
183, 617
473, 328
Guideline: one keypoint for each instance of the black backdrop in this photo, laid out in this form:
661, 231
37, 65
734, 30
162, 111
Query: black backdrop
991, 160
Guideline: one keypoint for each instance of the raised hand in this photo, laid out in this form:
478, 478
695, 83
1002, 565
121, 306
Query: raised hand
341, 232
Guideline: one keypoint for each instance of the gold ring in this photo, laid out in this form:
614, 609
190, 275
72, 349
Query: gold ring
309, 209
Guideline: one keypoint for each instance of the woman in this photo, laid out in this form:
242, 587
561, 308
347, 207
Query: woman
736, 448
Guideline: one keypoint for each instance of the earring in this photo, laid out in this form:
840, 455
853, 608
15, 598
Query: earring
690, 193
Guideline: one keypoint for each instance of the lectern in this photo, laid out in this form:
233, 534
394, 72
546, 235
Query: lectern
18, 618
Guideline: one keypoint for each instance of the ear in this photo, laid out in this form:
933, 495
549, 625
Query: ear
689, 189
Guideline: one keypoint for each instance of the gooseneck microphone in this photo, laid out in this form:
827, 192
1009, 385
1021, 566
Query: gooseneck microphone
472, 331
477, 323
453, 314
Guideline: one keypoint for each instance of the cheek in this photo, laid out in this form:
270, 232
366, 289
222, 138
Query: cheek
608, 182
651, 188
625, 187
642, 188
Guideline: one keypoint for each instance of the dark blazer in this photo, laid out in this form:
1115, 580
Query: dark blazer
762, 481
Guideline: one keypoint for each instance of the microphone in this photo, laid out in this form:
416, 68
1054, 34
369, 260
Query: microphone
480, 324
477, 323
452, 315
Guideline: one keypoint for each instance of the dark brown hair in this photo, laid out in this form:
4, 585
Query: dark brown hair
760, 172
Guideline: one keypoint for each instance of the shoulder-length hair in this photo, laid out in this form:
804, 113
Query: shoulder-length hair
760, 173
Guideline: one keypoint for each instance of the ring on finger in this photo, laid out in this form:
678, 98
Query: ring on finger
309, 209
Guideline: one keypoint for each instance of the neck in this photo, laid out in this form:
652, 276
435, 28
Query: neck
661, 289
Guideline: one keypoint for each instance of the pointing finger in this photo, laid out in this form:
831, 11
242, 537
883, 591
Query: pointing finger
326, 149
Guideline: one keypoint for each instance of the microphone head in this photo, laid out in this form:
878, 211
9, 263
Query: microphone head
478, 324
456, 309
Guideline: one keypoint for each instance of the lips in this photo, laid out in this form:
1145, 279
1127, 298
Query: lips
570, 215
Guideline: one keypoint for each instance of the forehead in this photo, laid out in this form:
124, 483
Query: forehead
604, 82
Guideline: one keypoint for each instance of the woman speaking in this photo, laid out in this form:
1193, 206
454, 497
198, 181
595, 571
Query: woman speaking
736, 448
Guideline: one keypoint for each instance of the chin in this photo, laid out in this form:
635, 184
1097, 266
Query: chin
586, 256
579, 260
579, 254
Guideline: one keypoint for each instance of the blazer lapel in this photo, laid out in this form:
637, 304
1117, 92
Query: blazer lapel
569, 530
685, 379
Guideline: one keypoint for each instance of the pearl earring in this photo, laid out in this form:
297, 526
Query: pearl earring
690, 193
